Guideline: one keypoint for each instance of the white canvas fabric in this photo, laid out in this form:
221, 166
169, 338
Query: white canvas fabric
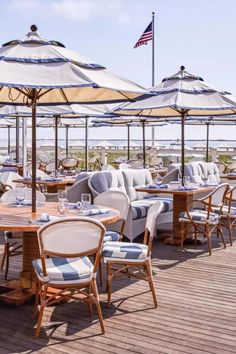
34, 62
181, 91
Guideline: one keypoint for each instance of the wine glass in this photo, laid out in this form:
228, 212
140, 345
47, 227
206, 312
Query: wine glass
20, 197
63, 207
158, 180
85, 200
186, 181
204, 178
62, 195
179, 177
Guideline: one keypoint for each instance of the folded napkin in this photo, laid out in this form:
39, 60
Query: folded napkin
232, 174
158, 186
210, 185
53, 179
44, 218
184, 188
95, 211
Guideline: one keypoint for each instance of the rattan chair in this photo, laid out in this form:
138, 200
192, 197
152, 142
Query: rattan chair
204, 221
228, 212
65, 266
117, 200
13, 241
125, 258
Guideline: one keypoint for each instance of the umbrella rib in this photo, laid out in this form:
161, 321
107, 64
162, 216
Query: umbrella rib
64, 95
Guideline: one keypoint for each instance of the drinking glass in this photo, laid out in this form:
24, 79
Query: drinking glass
158, 180
186, 181
20, 197
179, 177
204, 178
63, 207
85, 199
62, 195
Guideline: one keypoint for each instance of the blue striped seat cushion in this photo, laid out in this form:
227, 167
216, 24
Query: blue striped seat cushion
225, 210
111, 236
140, 207
64, 270
199, 216
124, 250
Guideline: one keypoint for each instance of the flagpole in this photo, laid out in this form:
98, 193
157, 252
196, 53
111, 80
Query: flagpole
153, 69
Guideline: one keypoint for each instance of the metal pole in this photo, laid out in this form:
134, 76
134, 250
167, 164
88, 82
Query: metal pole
182, 146
34, 106
153, 68
207, 142
128, 142
17, 139
9, 139
143, 121
56, 143
67, 140
24, 145
86, 145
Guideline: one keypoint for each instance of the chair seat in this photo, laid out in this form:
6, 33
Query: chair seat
111, 236
199, 216
64, 270
134, 252
225, 211
11, 236
140, 207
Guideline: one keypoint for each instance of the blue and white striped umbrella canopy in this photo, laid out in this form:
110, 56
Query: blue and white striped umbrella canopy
59, 75
178, 93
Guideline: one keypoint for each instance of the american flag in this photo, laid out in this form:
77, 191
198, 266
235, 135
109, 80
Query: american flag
146, 36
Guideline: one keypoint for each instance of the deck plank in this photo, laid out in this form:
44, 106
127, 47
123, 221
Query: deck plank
196, 313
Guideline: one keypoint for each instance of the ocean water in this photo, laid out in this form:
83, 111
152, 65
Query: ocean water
121, 142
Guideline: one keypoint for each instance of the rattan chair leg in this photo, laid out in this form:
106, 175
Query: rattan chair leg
96, 300
100, 272
182, 235
150, 281
230, 232
207, 234
109, 279
3, 257
221, 236
41, 311
7, 255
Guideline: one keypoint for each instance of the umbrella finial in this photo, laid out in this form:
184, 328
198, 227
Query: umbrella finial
182, 67
33, 28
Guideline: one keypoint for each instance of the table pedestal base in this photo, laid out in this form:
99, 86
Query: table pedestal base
11, 293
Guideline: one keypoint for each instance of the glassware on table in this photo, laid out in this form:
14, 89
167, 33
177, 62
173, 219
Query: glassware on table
179, 177
85, 200
62, 195
20, 196
205, 179
186, 181
63, 207
158, 180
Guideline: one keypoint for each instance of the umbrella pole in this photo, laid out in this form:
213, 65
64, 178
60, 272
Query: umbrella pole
67, 140
128, 142
86, 144
56, 143
182, 146
143, 121
207, 142
9, 139
34, 106
17, 139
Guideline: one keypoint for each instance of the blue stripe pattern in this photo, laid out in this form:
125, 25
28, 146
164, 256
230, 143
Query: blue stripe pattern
65, 269
140, 207
199, 215
124, 250
111, 236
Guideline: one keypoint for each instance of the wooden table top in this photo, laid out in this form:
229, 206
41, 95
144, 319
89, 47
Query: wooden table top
175, 191
228, 176
14, 218
65, 181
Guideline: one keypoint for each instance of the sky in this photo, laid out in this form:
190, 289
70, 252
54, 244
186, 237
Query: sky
197, 34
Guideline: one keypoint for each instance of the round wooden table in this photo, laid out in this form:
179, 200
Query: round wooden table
21, 219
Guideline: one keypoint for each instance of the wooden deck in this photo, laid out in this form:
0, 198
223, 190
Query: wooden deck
196, 313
